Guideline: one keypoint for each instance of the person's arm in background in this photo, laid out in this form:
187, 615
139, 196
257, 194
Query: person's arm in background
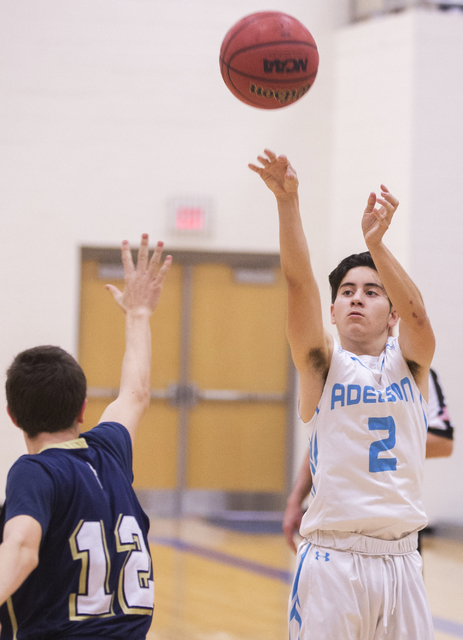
439, 443
294, 509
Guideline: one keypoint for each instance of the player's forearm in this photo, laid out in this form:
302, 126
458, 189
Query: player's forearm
297, 269
299, 493
17, 561
302, 484
294, 251
400, 288
136, 366
305, 322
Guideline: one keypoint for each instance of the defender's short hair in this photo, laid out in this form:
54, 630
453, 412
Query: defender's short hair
45, 390
363, 259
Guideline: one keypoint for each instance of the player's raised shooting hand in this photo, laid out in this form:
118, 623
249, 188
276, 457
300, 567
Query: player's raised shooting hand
376, 220
143, 283
277, 173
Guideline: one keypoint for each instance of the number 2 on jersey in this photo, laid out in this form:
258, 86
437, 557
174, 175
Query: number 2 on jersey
379, 446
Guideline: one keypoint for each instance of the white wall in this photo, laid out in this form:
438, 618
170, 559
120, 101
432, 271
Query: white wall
108, 109
436, 218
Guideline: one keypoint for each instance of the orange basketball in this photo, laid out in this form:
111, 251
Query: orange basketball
269, 60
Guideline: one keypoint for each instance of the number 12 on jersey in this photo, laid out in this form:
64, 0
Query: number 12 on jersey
135, 589
379, 446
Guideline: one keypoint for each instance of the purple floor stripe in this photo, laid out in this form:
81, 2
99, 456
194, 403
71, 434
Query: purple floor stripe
225, 558
440, 624
447, 626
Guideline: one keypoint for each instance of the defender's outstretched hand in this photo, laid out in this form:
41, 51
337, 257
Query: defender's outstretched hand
143, 284
376, 221
277, 173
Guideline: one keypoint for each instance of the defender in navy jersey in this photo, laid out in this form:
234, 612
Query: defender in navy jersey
74, 558
365, 401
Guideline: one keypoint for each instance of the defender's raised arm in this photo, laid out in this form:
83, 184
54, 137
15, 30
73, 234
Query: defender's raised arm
310, 346
143, 286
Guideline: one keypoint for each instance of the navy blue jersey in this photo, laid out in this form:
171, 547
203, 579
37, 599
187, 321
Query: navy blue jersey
94, 577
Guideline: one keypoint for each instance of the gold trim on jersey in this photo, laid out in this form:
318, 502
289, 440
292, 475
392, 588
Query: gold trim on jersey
14, 622
78, 443
85, 557
143, 576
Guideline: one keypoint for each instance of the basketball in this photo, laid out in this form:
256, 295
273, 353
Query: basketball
269, 60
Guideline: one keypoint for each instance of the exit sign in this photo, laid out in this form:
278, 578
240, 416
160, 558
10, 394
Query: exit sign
190, 215
190, 218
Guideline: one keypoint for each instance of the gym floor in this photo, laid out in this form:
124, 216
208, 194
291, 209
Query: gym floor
216, 583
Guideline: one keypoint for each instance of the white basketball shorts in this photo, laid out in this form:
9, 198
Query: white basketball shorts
352, 587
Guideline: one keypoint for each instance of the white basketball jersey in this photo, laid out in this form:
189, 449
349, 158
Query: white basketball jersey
368, 445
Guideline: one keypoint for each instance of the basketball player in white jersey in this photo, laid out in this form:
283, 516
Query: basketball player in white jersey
358, 572
439, 444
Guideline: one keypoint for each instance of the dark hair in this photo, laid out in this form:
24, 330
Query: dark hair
355, 260
45, 390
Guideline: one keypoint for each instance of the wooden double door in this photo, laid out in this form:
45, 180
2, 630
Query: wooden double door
221, 412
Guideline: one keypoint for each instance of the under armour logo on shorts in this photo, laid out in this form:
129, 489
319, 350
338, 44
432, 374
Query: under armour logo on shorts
325, 556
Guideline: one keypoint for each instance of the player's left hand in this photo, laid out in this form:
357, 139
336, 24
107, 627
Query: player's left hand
143, 283
376, 220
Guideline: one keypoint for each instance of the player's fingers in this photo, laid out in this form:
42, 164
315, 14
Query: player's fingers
264, 161
289, 538
258, 170
270, 155
390, 198
163, 270
116, 293
156, 257
370, 202
126, 255
142, 258
387, 208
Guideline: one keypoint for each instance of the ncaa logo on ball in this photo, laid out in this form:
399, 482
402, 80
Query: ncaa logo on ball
285, 66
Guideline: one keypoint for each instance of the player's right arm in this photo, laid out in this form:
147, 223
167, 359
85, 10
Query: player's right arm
293, 513
311, 346
143, 286
19, 553
416, 337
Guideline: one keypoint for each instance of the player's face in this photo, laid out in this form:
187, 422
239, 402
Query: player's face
362, 307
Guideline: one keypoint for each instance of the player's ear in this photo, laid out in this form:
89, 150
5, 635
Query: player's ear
80, 417
333, 319
13, 419
393, 318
